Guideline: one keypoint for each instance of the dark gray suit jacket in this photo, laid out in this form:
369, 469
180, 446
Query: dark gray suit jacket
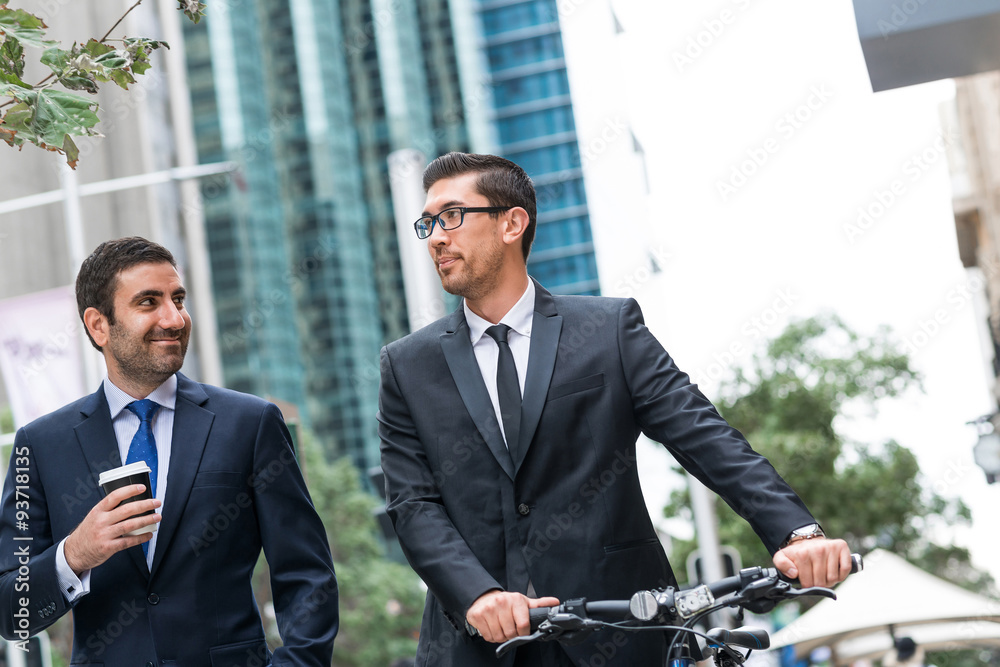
234, 487
568, 512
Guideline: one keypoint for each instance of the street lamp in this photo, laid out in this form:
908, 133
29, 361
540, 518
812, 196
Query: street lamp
986, 452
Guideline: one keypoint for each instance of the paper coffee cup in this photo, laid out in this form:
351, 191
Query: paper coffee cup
133, 473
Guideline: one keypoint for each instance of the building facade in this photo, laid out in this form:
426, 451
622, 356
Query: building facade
974, 161
311, 97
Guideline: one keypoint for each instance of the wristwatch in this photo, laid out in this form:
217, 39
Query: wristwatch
806, 532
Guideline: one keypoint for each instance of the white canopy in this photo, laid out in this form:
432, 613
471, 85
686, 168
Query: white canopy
891, 591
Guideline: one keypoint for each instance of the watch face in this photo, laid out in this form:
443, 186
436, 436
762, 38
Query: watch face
805, 531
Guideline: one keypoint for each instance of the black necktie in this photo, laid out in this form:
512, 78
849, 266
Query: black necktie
508, 387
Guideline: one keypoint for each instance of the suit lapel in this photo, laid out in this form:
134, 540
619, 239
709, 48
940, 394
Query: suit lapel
192, 424
546, 326
97, 438
465, 371
96, 435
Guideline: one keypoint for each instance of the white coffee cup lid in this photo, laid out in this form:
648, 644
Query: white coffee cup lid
136, 468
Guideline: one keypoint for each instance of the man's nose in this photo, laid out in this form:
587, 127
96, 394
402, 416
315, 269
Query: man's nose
171, 317
438, 235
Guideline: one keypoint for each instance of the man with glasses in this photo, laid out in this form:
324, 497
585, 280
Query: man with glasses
508, 442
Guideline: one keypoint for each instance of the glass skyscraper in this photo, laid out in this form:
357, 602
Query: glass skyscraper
534, 121
310, 97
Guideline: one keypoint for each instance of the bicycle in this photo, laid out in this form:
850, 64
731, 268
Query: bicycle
754, 589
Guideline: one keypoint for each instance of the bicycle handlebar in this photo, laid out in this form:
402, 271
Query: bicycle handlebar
750, 574
753, 588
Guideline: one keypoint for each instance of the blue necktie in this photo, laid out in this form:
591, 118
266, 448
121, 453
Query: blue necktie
143, 446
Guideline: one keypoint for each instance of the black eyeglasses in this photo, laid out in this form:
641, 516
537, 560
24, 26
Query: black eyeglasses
451, 218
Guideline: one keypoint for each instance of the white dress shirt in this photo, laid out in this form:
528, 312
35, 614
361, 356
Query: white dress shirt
126, 424
519, 319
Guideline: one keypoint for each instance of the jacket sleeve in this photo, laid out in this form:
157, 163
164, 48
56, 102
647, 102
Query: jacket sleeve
672, 411
431, 542
30, 597
295, 543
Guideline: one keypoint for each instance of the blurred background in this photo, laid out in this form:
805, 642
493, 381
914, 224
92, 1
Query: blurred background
819, 175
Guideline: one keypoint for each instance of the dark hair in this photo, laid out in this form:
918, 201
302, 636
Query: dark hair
502, 182
98, 278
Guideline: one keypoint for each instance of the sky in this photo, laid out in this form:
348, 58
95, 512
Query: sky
783, 187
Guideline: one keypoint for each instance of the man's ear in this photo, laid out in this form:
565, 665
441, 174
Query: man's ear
515, 226
97, 324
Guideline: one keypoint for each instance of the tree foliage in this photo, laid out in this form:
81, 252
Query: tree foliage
380, 601
787, 404
49, 117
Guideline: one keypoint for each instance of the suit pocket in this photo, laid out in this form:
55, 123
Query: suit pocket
251, 653
634, 544
576, 386
232, 480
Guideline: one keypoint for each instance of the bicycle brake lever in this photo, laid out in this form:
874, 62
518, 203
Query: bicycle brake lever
814, 590
517, 641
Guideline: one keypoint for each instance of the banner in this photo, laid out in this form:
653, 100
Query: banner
40, 352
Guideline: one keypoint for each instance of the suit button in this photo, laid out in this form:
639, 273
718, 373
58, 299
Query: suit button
153, 598
523, 509
150, 664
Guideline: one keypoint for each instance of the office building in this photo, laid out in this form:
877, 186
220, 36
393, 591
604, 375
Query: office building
311, 97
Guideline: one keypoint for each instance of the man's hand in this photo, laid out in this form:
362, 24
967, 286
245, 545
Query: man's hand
815, 562
101, 534
500, 616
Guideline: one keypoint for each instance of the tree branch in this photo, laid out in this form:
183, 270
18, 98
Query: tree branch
111, 29
102, 40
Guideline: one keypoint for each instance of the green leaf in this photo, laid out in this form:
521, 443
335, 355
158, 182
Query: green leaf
56, 59
193, 9
79, 82
71, 152
139, 49
24, 27
15, 117
48, 118
82, 67
11, 59
96, 49
11, 78
122, 78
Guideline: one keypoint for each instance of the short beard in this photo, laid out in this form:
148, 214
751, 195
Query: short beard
480, 279
138, 365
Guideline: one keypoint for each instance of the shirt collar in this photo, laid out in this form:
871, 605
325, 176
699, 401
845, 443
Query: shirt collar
518, 318
165, 395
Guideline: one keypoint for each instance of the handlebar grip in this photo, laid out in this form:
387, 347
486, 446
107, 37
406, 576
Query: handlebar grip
751, 638
537, 615
857, 565
726, 586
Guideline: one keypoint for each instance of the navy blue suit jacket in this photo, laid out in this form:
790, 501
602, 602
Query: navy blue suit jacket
233, 487
567, 512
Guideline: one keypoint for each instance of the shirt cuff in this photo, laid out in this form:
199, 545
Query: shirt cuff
73, 588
